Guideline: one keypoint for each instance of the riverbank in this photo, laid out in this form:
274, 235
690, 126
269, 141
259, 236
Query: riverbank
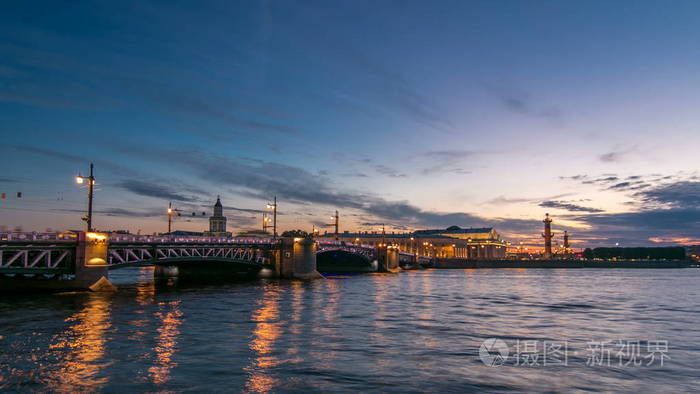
461, 264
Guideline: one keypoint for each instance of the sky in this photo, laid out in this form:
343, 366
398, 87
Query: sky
408, 114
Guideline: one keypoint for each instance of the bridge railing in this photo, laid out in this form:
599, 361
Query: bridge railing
141, 253
32, 259
16, 236
127, 238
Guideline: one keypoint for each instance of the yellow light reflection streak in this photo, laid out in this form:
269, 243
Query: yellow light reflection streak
166, 345
84, 343
266, 332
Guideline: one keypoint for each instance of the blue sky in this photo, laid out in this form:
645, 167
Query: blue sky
410, 113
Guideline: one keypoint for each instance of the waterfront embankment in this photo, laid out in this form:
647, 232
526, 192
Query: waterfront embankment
462, 263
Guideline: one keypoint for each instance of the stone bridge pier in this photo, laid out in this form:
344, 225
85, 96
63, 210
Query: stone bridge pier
91, 269
387, 259
297, 259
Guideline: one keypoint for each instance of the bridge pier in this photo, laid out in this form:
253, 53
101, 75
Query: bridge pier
387, 259
165, 271
297, 259
90, 273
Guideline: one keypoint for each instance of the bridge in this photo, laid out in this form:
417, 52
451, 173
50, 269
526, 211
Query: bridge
79, 260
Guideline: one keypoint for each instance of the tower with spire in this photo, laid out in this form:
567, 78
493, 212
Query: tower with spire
547, 235
217, 222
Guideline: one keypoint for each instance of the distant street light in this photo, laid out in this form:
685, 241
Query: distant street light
172, 212
266, 220
273, 206
335, 223
79, 179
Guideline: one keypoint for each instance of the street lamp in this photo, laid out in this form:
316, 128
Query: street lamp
335, 224
171, 212
273, 206
79, 179
266, 220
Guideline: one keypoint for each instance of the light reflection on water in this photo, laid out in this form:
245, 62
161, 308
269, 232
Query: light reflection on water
170, 318
416, 331
82, 347
267, 330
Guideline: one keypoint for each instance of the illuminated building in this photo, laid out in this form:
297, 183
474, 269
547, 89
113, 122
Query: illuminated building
217, 222
452, 242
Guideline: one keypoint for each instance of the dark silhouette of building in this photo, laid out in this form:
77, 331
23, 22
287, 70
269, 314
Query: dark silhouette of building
217, 222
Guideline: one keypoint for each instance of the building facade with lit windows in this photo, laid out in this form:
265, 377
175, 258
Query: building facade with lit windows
452, 242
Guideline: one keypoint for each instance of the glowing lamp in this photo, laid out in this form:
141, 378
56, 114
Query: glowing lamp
96, 236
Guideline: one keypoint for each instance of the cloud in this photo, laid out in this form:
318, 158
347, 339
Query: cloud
633, 183
388, 171
669, 211
660, 220
141, 213
52, 74
578, 177
178, 101
76, 159
355, 175
448, 161
257, 211
568, 206
502, 200
262, 179
240, 221
524, 105
450, 155
610, 157
621, 185
683, 195
616, 154
380, 84
156, 190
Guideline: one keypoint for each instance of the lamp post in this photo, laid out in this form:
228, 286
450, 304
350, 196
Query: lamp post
336, 219
273, 206
79, 179
171, 212
266, 219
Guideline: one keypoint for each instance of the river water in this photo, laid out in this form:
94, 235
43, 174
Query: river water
554, 330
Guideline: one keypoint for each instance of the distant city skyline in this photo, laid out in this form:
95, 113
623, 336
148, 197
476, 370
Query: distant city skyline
408, 113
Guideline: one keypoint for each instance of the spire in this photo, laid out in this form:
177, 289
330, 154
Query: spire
218, 208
